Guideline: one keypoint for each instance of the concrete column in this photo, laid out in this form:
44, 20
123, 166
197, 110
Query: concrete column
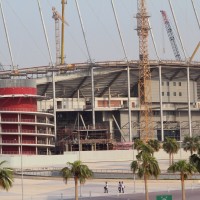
95, 146
93, 97
19, 142
109, 96
78, 98
80, 147
107, 146
161, 102
189, 107
66, 147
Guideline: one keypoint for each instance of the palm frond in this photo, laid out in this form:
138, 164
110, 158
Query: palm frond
6, 176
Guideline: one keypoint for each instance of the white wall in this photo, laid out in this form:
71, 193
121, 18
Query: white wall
32, 161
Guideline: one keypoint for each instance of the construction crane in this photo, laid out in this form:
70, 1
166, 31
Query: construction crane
171, 35
146, 127
57, 16
194, 53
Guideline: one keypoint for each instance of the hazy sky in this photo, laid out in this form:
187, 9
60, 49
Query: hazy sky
29, 47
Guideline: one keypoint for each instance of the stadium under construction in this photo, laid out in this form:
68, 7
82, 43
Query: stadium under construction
96, 116
100, 105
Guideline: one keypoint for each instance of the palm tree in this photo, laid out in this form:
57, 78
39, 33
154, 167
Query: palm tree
185, 169
191, 144
145, 148
137, 144
195, 160
171, 146
145, 166
78, 171
155, 144
6, 176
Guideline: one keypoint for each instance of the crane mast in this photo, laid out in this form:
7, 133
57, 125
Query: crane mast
146, 127
57, 16
57, 34
63, 32
171, 35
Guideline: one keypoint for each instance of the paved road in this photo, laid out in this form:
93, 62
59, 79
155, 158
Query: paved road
176, 195
55, 189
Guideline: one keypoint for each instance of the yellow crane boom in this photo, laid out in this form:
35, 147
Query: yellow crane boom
57, 16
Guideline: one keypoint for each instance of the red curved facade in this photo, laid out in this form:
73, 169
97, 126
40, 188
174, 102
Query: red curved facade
22, 127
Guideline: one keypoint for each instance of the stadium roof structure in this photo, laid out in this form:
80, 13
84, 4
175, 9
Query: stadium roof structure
110, 77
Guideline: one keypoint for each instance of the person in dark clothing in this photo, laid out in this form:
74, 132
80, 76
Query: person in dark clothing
106, 187
119, 187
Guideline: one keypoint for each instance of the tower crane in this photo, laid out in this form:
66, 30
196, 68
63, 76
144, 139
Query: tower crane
146, 127
171, 35
59, 54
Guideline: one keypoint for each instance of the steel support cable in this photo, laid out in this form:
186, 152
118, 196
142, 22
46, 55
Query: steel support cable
177, 29
128, 69
77, 44
83, 31
7, 36
104, 27
90, 61
45, 32
118, 28
153, 40
53, 72
160, 79
30, 34
188, 82
197, 18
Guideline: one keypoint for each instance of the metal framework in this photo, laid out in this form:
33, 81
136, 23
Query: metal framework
146, 130
63, 32
57, 33
171, 35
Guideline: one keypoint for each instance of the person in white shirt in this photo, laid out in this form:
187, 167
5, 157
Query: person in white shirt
122, 186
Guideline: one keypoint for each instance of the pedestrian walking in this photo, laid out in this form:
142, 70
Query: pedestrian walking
106, 187
119, 187
122, 187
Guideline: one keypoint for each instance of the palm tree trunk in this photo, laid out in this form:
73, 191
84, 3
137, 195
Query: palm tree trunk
146, 187
76, 188
170, 159
183, 187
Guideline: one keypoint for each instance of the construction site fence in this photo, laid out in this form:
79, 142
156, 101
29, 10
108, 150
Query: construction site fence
104, 174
